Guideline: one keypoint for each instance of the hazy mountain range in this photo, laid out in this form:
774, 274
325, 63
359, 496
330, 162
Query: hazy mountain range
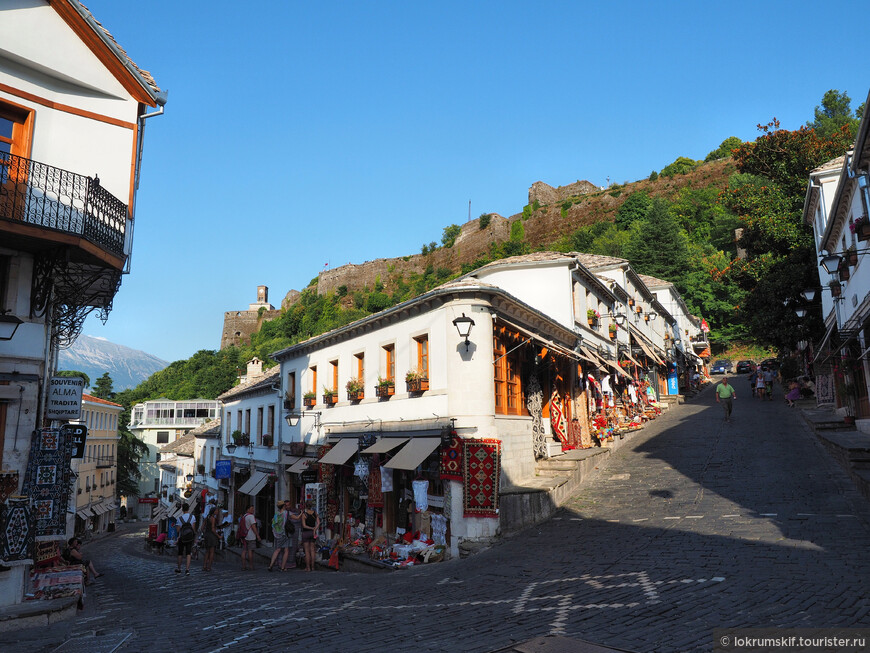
96, 356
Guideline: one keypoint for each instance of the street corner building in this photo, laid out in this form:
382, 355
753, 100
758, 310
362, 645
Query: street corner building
427, 429
72, 118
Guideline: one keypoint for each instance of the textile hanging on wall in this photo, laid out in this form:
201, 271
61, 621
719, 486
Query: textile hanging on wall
421, 495
482, 468
48, 481
451, 459
58, 582
558, 423
824, 389
8, 484
386, 479
17, 530
448, 500
535, 404
376, 495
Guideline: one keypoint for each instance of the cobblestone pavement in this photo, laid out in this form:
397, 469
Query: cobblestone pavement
694, 524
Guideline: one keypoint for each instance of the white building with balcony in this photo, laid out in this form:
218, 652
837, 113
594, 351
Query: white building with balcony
73, 109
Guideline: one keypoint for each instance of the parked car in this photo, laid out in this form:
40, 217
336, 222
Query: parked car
770, 364
745, 367
721, 366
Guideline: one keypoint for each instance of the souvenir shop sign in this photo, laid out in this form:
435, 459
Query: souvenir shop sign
673, 382
223, 469
78, 433
309, 476
65, 397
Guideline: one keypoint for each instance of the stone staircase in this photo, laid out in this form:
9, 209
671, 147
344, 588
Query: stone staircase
848, 446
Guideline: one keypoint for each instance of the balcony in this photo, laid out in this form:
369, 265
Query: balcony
38, 195
105, 462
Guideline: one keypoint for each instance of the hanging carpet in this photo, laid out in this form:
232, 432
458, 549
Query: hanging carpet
558, 423
376, 496
481, 467
48, 481
17, 530
451, 459
535, 404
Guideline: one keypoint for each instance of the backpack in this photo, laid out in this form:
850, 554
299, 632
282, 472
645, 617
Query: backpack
289, 528
278, 523
187, 534
243, 528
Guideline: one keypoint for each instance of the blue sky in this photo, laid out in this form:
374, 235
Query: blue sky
298, 134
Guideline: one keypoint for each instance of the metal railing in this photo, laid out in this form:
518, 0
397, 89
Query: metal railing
43, 195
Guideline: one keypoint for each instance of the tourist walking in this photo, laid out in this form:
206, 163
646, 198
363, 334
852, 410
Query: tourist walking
310, 528
759, 384
725, 395
753, 376
186, 536
768, 383
211, 539
283, 530
250, 538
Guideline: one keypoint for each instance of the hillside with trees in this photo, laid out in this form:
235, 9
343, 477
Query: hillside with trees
678, 224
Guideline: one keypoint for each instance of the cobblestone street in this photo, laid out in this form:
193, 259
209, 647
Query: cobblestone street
694, 524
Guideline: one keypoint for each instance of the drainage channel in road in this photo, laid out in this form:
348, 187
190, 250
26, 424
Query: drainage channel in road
107, 643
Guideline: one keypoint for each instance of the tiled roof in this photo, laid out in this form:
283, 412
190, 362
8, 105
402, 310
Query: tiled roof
207, 429
97, 400
652, 282
257, 383
534, 257
146, 76
593, 261
183, 446
833, 164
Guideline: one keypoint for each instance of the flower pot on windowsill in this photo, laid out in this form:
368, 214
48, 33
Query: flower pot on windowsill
638, 309
385, 390
862, 230
418, 385
851, 258
613, 335
309, 402
330, 399
355, 395
267, 441
591, 322
836, 289
844, 273
288, 404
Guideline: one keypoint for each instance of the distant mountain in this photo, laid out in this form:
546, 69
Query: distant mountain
96, 356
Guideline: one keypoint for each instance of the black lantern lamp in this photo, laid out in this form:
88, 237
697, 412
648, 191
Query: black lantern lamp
463, 326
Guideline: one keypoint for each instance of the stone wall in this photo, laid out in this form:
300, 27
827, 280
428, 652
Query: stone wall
546, 194
239, 325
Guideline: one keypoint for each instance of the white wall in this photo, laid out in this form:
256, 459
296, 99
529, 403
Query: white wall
546, 287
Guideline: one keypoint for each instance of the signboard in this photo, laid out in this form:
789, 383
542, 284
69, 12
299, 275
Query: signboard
65, 397
673, 382
147, 499
309, 476
223, 468
78, 433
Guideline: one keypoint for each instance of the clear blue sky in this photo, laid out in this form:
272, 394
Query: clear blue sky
298, 134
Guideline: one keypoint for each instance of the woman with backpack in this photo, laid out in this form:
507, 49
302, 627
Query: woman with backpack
211, 537
186, 536
310, 527
283, 530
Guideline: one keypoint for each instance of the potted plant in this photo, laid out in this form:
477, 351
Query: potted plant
843, 270
309, 399
416, 381
267, 439
630, 302
200, 469
852, 256
639, 309
330, 396
592, 316
289, 401
861, 228
355, 389
836, 288
385, 387
646, 317
612, 330
239, 438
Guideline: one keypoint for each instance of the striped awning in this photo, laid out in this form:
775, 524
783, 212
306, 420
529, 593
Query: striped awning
385, 445
341, 452
253, 485
412, 454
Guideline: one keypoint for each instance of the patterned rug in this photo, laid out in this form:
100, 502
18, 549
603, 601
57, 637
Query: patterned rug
535, 404
17, 530
48, 481
558, 422
376, 496
481, 466
57, 582
8, 484
451, 459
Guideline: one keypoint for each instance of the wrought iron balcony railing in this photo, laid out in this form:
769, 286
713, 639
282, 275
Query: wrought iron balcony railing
49, 197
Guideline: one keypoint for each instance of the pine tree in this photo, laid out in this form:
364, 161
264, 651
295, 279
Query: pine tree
103, 387
658, 245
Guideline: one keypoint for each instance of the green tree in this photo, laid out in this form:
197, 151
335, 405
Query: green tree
680, 166
658, 246
103, 387
450, 234
724, 149
834, 114
76, 373
130, 451
635, 207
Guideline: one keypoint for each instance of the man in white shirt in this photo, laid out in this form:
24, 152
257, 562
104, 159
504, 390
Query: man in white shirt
252, 538
186, 536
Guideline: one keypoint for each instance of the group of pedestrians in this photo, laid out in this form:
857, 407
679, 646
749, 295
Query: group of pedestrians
761, 382
289, 529
212, 519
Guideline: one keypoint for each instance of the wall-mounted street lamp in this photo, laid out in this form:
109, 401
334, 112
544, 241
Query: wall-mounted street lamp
801, 312
189, 477
292, 419
463, 326
831, 263
809, 294
8, 325
231, 448
619, 318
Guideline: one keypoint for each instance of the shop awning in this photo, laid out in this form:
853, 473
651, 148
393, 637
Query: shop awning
341, 452
174, 510
616, 366
84, 513
632, 358
300, 465
384, 445
593, 357
254, 484
412, 454
99, 509
820, 350
160, 514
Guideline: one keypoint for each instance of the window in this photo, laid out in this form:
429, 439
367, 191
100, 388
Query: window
270, 423
334, 366
423, 355
290, 395
313, 371
390, 362
229, 423
260, 423
162, 437
247, 430
239, 421
506, 374
360, 366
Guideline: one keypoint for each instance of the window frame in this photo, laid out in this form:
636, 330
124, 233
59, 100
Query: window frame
389, 361
422, 343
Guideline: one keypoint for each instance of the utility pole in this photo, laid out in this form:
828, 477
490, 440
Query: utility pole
469, 210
